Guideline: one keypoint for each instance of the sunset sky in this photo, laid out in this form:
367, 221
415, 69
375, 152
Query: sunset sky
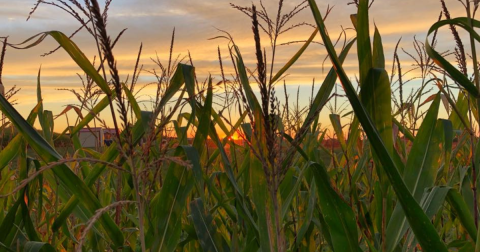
151, 22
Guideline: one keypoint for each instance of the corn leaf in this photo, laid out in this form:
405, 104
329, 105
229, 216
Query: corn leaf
11, 150
364, 47
205, 227
295, 57
463, 212
36, 246
65, 175
454, 73
338, 216
168, 205
425, 232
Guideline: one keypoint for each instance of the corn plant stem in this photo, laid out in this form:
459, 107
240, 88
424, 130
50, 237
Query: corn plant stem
112, 111
294, 223
474, 176
278, 228
349, 174
117, 131
102, 66
138, 196
118, 196
477, 244
384, 222
55, 212
477, 84
424, 71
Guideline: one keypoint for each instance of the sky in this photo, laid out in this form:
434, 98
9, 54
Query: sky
151, 22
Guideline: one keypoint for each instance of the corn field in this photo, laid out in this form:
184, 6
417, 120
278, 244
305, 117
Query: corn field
401, 178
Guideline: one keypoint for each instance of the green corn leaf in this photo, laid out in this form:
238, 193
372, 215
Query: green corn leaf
364, 47
338, 216
263, 205
205, 227
454, 73
108, 155
181, 77
420, 170
463, 212
36, 246
82, 61
99, 107
247, 130
218, 120
201, 135
362, 163
448, 140
228, 133
423, 160
321, 98
222, 200
80, 152
133, 102
64, 174
44, 117
239, 194
40, 101
40, 190
9, 221
323, 95
204, 120
26, 163
28, 224
168, 205
11, 150
379, 196
251, 99
287, 202
261, 198
294, 58
406, 132
432, 201
353, 135
6, 247
312, 200
48, 126
425, 232
376, 97
378, 54
75, 53
462, 108
337, 127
